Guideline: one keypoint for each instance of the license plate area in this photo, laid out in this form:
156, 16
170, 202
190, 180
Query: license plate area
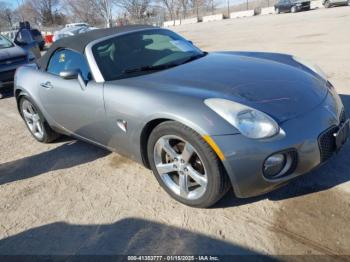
342, 134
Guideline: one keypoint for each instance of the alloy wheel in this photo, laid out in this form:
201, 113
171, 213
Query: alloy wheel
180, 167
32, 119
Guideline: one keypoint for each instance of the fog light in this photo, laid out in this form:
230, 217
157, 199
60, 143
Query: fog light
274, 165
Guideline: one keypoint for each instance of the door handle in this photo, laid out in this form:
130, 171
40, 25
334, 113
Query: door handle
47, 85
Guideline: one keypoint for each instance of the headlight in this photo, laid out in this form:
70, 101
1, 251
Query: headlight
315, 68
250, 122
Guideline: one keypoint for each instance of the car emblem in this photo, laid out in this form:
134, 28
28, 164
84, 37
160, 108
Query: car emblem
8, 62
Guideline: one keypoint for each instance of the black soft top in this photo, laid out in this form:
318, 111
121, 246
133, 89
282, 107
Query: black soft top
80, 41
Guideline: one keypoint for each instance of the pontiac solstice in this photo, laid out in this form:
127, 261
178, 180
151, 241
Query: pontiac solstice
203, 122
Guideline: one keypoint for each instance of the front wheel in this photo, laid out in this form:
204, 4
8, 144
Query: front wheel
36, 122
277, 10
293, 9
327, 4
186, 166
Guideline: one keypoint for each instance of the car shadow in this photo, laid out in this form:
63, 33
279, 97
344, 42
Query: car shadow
68, 155
130, 236
334, 172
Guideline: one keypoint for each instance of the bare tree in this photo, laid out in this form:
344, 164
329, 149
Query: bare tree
182, 8
200, 6
6, 15
40, 12
82, 11
44, 10
171, 6
103, 8
138, 10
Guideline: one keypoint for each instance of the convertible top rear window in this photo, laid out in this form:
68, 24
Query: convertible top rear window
142, 52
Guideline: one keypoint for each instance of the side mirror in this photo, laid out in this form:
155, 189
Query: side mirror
74, 74
70, 74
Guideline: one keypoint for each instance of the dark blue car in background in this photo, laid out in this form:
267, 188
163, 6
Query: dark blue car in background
23, 50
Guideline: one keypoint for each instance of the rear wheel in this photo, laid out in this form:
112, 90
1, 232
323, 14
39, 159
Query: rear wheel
186, 166
36, 122
277, 10
327, 4
293, 9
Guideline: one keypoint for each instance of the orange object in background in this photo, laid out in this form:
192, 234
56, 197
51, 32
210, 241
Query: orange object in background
48, 39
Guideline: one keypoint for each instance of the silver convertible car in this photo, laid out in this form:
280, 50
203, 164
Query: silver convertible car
203, 122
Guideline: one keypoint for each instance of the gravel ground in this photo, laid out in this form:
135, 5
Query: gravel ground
73, 198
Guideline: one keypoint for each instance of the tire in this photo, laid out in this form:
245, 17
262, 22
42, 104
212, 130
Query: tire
293, 9
203, 161
277, 11
349, 3
35, 121
327, 4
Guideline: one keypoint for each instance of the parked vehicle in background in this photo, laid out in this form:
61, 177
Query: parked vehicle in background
11, 57
331, 3
76, 24
293, 6
70, 31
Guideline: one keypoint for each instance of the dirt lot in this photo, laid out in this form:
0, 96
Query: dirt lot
73, 198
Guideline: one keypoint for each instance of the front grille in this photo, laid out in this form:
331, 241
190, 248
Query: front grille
326, 140
7, 76
13, 61
327, 144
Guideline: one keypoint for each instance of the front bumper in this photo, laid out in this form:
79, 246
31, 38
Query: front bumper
7, 73
244, 157
6, 78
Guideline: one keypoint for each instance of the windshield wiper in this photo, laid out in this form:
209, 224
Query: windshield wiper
162, 67
192, 58
148, 68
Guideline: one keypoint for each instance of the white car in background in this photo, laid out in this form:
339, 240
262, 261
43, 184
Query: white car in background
77, 24
72, 29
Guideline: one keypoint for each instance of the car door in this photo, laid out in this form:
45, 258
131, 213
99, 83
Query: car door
73, 105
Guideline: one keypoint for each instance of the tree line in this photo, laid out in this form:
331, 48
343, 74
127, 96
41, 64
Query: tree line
102, 13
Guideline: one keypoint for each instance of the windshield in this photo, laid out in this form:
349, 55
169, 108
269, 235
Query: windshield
142, 52
5, 43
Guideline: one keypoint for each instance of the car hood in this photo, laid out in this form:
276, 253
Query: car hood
11, 52
272, 83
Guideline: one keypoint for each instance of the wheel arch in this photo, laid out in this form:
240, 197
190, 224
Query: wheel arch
152, 124
145, 133
19, 93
